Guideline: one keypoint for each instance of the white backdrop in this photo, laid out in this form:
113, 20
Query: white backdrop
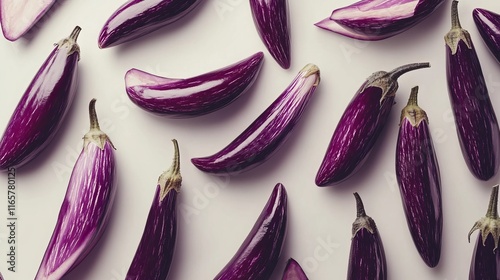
216, 214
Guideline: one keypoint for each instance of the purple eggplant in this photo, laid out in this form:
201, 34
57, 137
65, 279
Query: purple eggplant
475, 118
268, 131
373, 20
271, 20
42, 108
259, 253
137, 18
293, 271
488, 24
193, 96
85, 210
485, 264
360, 125
367, 256
154, 255
18, 16
417, 173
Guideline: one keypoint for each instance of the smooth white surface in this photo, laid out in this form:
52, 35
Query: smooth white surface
215, 214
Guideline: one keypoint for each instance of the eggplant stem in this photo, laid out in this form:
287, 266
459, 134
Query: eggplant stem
492, 212
94, 122
176, 162
74, 34
396, 73
455, 21
412, 100
360, 208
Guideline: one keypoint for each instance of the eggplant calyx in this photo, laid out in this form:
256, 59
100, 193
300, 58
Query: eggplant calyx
95, 135
171, 179
311, 69
412, 111
362, 220
456, 33
490, 224
70, 42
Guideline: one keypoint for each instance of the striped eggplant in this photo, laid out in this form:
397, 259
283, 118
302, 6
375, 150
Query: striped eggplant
85, 210
360, 125
261, 138
475, 118
17, 17
259, 253
488, 25
155, 251
43, 106
293, 271
192, 96
271, 20
367, 256
418, 176
373, 20
485, 264
137, 18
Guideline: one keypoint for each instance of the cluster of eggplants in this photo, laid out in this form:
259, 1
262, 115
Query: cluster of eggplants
17, 17
137, 18
418, 176
193, 96
373, 20
485, 263
360, 125
475, 118
271, 20
259, 253
293, 271
262, 137
154, 254
488, 25
85, 210
367, 256
43, 106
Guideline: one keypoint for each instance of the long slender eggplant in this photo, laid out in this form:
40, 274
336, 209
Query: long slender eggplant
475, 118
85, 210
42, 108
367, 256
360, 125
259, 253
137, 18
485, 264
18, 16
156, 249
488, 25
192, 96
293, 271
418, 176
271, 20
373, 20
262, 137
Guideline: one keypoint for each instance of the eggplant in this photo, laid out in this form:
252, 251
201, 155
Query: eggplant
43, 106
194, 96
367, 256
373, 20
17, 17
360, 125
293, 271
271, 20
419, 180
488, 25
86, 208
137, 18
262, 137
485, 263
475, 119
259, 253
154, 254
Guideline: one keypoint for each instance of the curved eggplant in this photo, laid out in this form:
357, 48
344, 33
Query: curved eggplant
475, 118
271, 20
360, 125
137, 18
488, 25
373, 20
85, 210
193, 96
43, 106
17, 17
262, 137
293, 271
259, 253
417, 173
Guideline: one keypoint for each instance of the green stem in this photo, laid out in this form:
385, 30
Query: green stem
360, 208
492, 212
455, 21
94, 122
412, 100
396, 73
74, 34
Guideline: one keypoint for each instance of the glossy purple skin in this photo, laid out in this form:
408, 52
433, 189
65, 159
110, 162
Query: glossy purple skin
258, 255
41, 110
271, 20
418, 176
488, 25
367, 257
194, 96
293, 271
262, 137
30, 11
485, 264
137, 18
